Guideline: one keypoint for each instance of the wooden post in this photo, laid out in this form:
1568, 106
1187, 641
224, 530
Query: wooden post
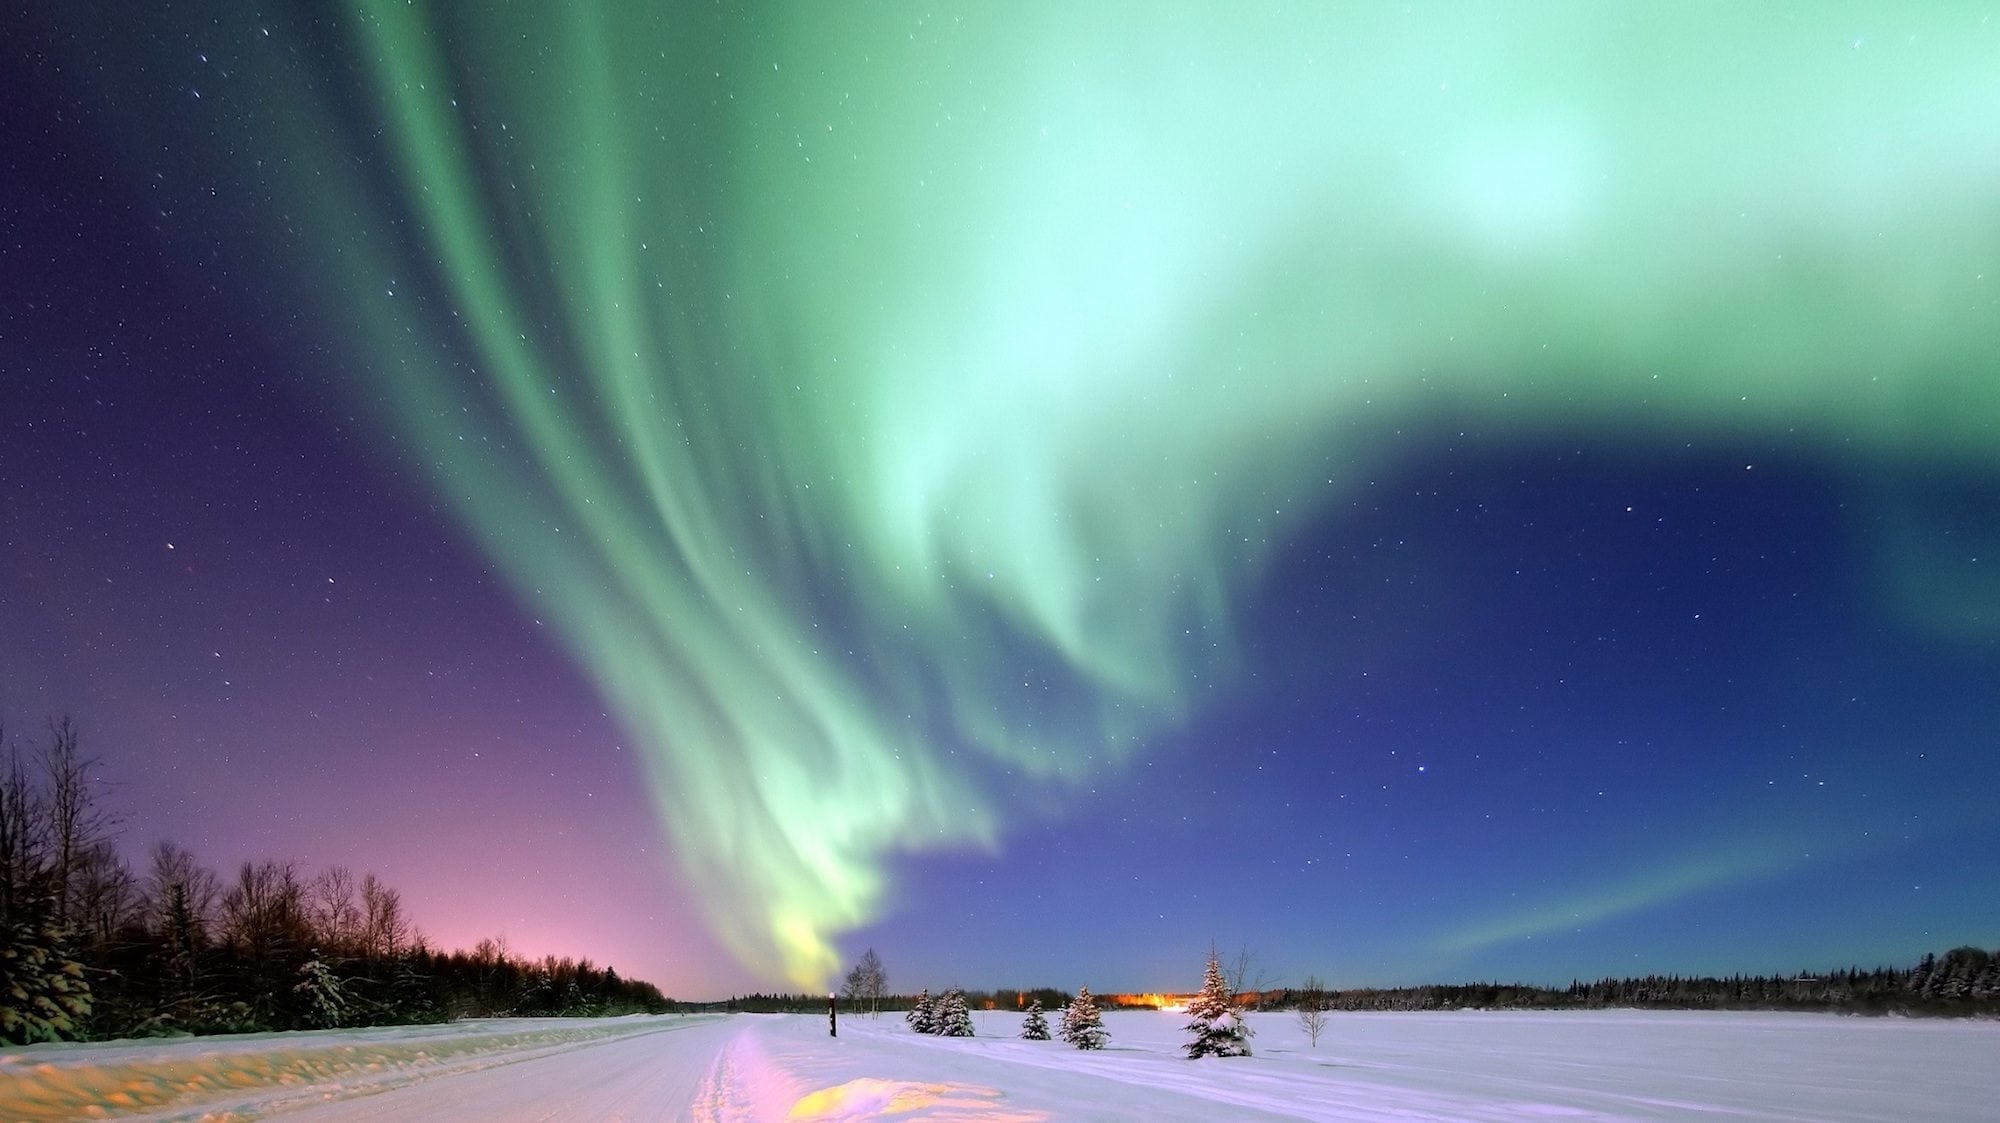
832, 1022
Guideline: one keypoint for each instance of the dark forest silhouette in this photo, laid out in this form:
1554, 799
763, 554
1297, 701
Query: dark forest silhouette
89, 949
1962, 981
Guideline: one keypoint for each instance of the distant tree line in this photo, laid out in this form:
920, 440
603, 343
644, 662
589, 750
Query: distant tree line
1962, 981
999, 998
89, 949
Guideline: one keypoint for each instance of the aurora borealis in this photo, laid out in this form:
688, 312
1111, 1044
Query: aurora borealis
1108, 456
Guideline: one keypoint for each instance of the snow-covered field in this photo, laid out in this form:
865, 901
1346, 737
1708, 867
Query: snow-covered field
1456, 1066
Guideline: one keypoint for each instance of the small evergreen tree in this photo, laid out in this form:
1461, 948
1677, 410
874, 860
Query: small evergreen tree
953, 1019
324, 995
1036, 1027
1081, 1024
1218, 1029
923, 1013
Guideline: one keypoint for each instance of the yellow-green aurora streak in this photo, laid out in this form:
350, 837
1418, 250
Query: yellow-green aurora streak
1639, 890
885, 401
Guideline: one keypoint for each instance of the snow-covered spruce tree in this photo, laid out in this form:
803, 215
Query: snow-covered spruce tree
923, 1013
1219, 1031
1035, 1027
325, 997
43, 994
1081, 1024
953, 1019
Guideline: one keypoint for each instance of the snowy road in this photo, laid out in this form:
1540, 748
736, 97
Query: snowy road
1458, 1066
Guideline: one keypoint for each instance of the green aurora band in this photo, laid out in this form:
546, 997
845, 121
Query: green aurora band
886, 402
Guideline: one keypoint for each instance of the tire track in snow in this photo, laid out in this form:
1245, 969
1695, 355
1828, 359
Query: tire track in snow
743, 1085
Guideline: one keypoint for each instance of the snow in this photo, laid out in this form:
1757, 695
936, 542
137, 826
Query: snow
1387, 1066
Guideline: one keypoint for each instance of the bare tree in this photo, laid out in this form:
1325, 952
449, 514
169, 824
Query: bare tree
384, 929
263, 913
494, 962
867, 982
491, 950
54, 840
23, 839
107, 896
1247, 981
180, 895
330, 907
181, 898
1311, 1010
264, 923
75, 823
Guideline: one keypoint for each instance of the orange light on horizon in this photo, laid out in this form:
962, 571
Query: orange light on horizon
1148, 1001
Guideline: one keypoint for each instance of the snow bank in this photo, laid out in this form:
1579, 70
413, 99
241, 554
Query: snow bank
244, 1076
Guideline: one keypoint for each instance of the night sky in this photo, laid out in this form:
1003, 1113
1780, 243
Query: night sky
1473, 491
